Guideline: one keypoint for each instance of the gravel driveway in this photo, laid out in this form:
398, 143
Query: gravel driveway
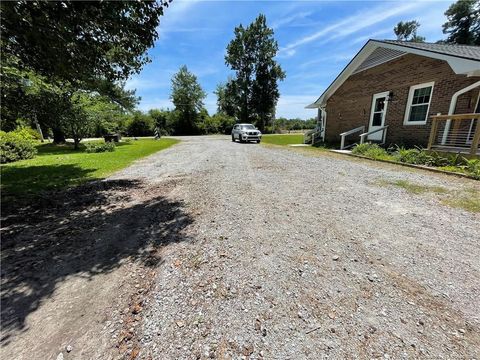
292, 256
214, 249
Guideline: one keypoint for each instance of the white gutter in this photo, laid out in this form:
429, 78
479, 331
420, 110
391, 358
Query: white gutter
453, 105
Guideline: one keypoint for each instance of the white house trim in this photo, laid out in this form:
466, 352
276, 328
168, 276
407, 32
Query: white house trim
453, 105
371, 127
411, 91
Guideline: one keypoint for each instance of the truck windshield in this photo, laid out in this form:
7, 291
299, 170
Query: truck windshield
248, 127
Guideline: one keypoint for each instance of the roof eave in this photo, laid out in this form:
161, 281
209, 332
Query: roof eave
361, 55
460, 65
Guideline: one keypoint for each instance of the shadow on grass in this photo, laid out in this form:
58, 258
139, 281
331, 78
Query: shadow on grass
67, 148
24, 181
79, 232
59, 149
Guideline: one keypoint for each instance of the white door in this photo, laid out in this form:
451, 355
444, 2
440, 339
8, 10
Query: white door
377, 115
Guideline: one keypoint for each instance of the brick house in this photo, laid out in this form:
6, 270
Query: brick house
395, 87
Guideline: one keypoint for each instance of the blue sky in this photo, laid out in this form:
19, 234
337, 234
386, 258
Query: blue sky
316, 39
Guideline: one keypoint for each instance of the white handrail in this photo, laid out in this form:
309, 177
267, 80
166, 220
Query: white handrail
344, 134
311, 136
384, 135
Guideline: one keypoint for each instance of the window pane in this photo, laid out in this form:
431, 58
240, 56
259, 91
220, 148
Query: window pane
422, 95
418, 113
377, 119
379, 104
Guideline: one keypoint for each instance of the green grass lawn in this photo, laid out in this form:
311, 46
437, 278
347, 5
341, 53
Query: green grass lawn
283, 139
60, 166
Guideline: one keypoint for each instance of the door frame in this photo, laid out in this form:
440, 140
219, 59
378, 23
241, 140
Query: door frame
372, 108
470, 129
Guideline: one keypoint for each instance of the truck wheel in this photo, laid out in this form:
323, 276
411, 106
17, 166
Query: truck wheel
233, 138
258, 141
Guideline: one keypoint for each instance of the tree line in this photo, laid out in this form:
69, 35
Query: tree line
249, 96
65, 64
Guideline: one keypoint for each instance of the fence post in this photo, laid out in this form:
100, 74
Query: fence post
433, 132
476, 138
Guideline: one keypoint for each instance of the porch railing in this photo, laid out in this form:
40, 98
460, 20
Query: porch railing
458, 132
383, 129
349, 132
313, 136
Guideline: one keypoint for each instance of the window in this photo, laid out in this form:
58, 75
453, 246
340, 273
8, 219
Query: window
419, 98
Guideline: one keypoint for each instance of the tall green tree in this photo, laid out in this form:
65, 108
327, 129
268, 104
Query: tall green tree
80, 41
407, 31
251, 54
77, 122
463, 22
160, 118
226, 102
187, 96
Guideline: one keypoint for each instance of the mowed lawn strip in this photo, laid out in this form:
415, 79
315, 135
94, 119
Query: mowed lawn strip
57, 167
283, 139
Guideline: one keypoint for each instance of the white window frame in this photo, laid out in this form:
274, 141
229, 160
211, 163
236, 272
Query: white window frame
410, 100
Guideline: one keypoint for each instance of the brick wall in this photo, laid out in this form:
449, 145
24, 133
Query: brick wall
350, 106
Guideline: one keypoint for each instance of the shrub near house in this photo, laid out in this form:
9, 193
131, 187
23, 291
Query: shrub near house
17, 145
417, 156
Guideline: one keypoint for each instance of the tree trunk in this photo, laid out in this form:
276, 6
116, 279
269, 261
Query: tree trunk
58, 136
76, 143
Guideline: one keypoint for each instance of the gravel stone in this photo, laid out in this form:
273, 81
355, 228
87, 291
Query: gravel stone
261, 214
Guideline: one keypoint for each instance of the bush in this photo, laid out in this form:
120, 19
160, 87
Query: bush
28, 133
416, 156
91, 147
140, 125
419, 156
371, 150
472, 167
408, 156
16, 145
216, 124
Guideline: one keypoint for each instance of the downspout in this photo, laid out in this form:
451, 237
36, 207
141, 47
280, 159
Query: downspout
453, 105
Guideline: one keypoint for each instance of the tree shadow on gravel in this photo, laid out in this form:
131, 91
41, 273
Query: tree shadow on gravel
85, 231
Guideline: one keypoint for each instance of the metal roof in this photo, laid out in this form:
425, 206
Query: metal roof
462, 51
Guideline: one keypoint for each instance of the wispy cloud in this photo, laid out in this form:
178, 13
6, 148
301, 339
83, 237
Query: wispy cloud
290, 19
338, 57
372, 35
145, 84
173, 14
351, 25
